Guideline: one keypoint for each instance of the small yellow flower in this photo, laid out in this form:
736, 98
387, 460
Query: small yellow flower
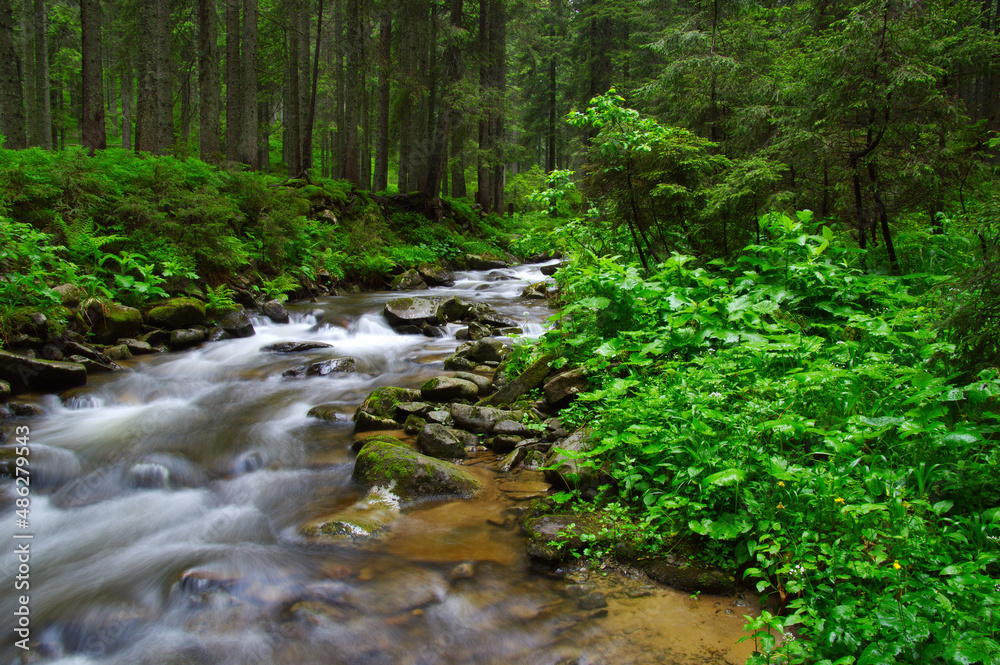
780, 506
906, 504
838, 500
895, 564
781, 483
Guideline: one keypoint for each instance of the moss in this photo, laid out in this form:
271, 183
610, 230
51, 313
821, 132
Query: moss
382, 402
177, 313
412, 475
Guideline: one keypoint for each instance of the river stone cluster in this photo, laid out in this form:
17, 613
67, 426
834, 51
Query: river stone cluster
425, 316
100, 333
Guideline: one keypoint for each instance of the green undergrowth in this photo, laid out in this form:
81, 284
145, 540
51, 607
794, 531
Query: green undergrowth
809, 425
135, 228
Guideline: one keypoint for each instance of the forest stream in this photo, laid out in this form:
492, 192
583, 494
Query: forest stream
167, 502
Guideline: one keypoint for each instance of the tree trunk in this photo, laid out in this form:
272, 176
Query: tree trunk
12, 120
41, 134
352, 89
164, 79
293, 114
248, 93
92, 129
484, 172
147, 126
499, 139
234, 65
128, 92
209, 146
307, 139
381, 176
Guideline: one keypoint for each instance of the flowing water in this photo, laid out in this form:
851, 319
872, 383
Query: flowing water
167, 499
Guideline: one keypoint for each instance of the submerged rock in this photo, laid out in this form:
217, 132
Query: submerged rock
331, 412
369, 517
685, 576
415, 476
294, 347
345, 365
554, 538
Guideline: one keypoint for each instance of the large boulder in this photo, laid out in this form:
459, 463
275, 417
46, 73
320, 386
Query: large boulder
455, 309
70, 295
44, 375
564, 468
411, 475
343, 365
436, 275
446, 389
185, 337
413, 311
378, 411
483, 262
408, 281
234, 321
563, 388
483, 313
529, 379
486, 350
274, 310
686, 576
110, 321
176, 313
537, 291
440, 441
481, 419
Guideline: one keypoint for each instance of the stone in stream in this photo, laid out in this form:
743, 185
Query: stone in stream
511, 428
474, 331
537, 291
234, 321
484, 383
406, 409
294, 347
408, 281
455, 309
436, 275
447, 389
136, 348
484, 262
93, 366
443, 442
345, 365
412, 476
331, 412
488, 349
176, 313
511, 460
554, 538
529, 379
548, 271
504, 443
185, 337
45, 375
459, 362
370, 516
413, 311
481, 419
413, 424
50, 466
683, 575
274, 310
378, 411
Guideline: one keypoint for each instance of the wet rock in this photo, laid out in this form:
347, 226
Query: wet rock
185, 337
153, 471
137, 348
484, 383
685, 576
488, 349
555, 430
446, 389
118, 352
436, 275
70, 295
563, 388
455, 309
378, 411
431, 331
443, 442
110, 321
274, 310
388, 439
484, 262
234, 321
507, 332
459, 362
548, 271
331, 412
24, 410
440, 417
511, 460
413, 311
390, 592
412, 476
511, 428
156, 338
94, 366
413, 424
147, 475
78, 349
52, 352
529, 379
345, 365
294, 347
504, 443
406, 409
176, 313
537, 291
370, 516
22, 373
480, 419
594, 600
566, 471
5, 390
541, 257
533, 460
462, 571
408, 329
554, 538
408, 281
483, 313
474, 332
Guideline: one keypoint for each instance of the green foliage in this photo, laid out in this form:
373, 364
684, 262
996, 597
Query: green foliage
219, 298
559, 197
800, 419
28, 263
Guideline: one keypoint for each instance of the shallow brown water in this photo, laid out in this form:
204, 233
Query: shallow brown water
166, 524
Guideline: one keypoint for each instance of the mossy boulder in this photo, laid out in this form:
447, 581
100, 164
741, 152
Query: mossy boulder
110, 321
234, 320
22, 373
443, 442
554, 538
446, 389
378, 411
412, 476
685, 575
408, 281
176, 313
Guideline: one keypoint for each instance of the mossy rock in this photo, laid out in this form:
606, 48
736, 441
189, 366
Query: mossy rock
378, 411
360, 443
412, 476
110, 321
554, 538
176, 313
369, 518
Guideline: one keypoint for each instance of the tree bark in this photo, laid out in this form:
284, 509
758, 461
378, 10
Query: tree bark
234, 65
164, 78
12, 119
41, 134
147, 126
307, 139
128, 99
293, 114
381, 176
484, 172
93, 135
352, 89
248, 92
209, 144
